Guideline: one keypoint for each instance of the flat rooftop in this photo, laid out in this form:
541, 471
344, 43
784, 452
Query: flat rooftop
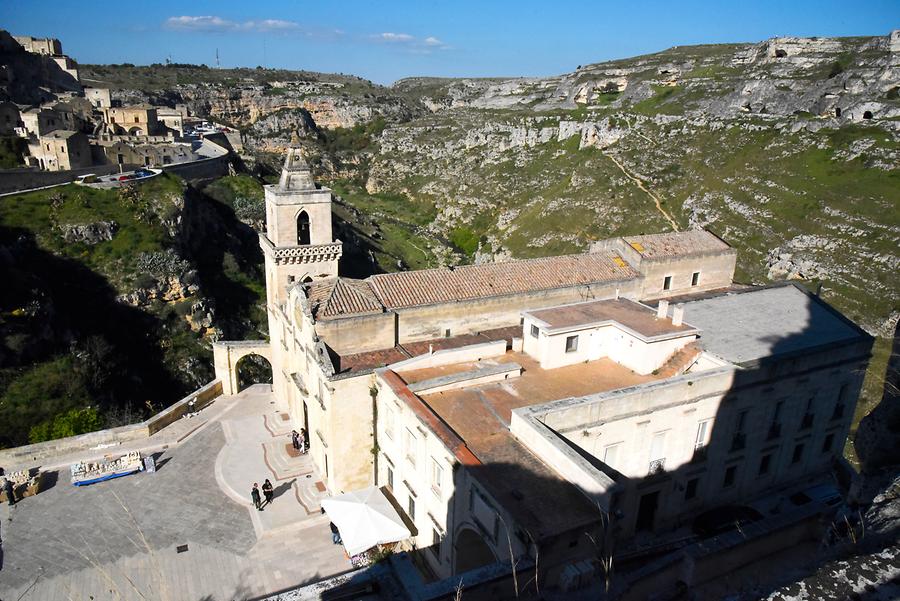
541, 500
752, 325
630, 314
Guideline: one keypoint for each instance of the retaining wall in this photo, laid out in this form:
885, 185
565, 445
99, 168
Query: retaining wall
41, 451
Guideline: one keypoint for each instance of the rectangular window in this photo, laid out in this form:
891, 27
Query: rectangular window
730, 473
702, 434
435, 543
389, 423
798, 454
690, 491
534, 331
657, 453
411, 506
764, 463
827, 443
667, 283
695, 278
571, 344
610, 455
390, 478
739, 440
437, 473
411, 447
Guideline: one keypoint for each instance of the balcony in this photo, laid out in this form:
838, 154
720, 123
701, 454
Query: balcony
657, 466
738, 442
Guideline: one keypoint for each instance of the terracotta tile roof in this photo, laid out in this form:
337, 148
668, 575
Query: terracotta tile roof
430, 286
341, 296
675, 244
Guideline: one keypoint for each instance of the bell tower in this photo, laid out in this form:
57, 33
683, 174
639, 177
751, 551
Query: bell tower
297, 244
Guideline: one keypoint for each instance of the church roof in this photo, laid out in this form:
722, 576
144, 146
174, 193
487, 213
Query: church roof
430, 286
676, 244
334, 297
295, 174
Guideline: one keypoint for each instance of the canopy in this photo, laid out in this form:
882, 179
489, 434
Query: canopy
365, 518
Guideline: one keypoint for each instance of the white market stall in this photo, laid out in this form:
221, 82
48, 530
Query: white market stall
365, 519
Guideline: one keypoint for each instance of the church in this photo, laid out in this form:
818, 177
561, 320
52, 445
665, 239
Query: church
556, 407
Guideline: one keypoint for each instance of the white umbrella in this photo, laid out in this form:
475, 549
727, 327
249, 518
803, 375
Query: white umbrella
365, 518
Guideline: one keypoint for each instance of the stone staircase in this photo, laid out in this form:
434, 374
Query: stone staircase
680, 361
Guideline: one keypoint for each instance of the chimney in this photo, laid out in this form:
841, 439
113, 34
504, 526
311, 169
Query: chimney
662, 310
677, 315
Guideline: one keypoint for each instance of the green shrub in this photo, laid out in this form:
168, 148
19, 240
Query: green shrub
70, 423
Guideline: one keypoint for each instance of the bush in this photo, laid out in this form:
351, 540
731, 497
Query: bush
70, 423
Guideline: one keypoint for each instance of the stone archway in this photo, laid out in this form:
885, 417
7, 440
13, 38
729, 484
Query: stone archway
471, 551
135, 131
252, 369
228, 353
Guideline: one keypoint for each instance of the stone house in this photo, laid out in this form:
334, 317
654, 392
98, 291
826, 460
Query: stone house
60, 150
40, 121
99, 98
132, 120
127, 153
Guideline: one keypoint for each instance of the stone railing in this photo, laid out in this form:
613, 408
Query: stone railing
310, 253
42, 451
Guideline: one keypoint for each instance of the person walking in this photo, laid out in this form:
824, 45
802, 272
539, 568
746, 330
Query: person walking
268, 491
295, 439
254, 494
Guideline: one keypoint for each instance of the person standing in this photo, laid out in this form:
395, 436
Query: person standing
295, 439
254, 494
268, 491
335, 534
10, 493
303, 441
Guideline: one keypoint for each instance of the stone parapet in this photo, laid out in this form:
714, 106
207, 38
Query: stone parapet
308, 253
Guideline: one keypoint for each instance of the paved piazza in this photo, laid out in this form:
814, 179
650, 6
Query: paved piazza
120, 539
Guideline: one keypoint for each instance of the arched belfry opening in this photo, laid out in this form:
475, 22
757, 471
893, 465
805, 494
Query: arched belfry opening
303, 228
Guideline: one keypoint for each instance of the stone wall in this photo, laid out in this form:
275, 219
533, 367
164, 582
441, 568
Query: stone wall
98, 441
17, 180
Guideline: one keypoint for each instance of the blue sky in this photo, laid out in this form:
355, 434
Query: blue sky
387, 40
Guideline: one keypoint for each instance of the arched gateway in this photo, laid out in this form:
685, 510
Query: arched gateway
227, 354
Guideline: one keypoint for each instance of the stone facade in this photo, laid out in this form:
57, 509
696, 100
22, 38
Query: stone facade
132, 120
61, 150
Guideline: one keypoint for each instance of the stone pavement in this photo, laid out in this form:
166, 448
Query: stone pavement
174, 534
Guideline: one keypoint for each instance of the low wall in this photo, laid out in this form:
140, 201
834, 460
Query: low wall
15, 180
113, 436
200, 169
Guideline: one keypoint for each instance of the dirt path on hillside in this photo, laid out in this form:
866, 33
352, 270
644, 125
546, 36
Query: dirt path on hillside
640, 184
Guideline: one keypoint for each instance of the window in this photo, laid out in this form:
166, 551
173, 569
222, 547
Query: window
447, 333
390, 478
764, 463
303, 235
775, 426
690, 491
739, 440
807, 421
62, 149
411, 447
437, 473
798, 454
571, 344
667, 283
838, 412
610, 454
658, 453
695, 278
535, 332
389, 423
136, 120
702, 434
827, 443
730, 473
435, 543
411, 506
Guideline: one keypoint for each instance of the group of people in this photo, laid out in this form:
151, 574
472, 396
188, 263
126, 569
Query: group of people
299, 440
267, 491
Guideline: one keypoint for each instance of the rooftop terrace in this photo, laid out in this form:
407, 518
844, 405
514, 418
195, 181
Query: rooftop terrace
634, 316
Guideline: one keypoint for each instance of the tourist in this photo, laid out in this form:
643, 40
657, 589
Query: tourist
304, 445
295, 439
268, 491
254, 494
8, 489
335, 534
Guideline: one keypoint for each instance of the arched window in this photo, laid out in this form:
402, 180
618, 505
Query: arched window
303, 228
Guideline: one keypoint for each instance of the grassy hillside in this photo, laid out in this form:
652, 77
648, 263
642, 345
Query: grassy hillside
103, 330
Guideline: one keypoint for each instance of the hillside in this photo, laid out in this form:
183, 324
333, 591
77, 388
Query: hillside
111, 296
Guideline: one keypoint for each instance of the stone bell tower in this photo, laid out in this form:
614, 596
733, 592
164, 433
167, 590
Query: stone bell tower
298, 244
